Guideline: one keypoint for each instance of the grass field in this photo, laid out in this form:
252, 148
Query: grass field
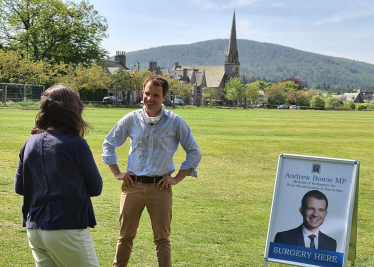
221, 217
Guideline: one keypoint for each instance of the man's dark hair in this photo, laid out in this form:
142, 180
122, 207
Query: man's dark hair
316, 194
61, 110
158, 80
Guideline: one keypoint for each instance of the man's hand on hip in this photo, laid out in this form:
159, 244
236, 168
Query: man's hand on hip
126, 178
166, 181
122, 176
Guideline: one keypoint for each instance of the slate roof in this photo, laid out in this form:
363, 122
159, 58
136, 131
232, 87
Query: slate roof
113, 66
367, 96
193, 75
348, 97
213, 74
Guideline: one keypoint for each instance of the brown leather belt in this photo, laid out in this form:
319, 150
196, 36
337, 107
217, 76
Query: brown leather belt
146, 179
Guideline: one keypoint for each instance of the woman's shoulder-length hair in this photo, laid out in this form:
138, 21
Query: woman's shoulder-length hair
61, 110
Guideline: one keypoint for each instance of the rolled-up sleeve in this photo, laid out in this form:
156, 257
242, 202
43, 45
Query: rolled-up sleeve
191, 147
116, 138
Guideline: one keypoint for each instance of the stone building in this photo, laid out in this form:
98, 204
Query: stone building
118, 63
366, 95
232, 65
359, 97
111, 67
209, 76
200, 76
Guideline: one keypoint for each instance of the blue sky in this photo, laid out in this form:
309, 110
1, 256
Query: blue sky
340, 28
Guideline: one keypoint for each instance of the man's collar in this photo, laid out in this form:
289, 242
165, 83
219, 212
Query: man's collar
153, 120
306, 232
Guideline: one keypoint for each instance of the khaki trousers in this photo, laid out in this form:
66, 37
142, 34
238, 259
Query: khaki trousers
159, 206
62, 248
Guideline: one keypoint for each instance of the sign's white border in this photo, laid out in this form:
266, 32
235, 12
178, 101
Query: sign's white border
288, 193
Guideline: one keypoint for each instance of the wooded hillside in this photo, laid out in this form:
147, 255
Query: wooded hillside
262, 60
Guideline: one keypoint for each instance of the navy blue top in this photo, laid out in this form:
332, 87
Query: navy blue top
57, 175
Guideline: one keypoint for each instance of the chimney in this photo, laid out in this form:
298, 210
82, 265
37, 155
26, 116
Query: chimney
121, 58
153, 65
359, 90
185, 74
176, 65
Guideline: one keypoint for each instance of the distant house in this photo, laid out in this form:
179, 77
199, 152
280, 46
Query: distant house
207, 76
120, 63
189, 75
350, 97
359, 97
214, 77
366, 95
201, 76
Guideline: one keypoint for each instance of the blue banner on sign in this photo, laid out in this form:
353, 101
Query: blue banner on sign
312, 256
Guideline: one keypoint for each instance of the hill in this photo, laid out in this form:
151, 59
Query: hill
262, 60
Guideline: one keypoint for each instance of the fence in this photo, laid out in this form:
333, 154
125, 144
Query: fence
16, 93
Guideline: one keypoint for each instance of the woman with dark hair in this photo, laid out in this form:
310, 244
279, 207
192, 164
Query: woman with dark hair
57, 175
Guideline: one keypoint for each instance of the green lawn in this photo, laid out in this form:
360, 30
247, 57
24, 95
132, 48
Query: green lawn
220, 218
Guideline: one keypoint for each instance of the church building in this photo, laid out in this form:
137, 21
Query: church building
208, 76
201, 76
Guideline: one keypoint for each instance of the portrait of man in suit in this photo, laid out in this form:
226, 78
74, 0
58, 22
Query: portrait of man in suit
314, 210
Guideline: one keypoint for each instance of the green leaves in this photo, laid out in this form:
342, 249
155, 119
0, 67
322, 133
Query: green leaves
210, 94
317, 102
234, 90
53, 29
333, 102
251, 91
14, 69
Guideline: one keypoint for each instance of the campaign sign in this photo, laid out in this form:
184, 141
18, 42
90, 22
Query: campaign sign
311, 216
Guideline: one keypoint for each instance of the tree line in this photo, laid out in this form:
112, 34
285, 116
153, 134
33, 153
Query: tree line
289, 91
46, 42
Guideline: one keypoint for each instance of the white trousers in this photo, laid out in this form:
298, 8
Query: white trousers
62, 248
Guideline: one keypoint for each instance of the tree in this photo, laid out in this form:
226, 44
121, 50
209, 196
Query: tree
311, 93
263, 85
297, 97
317, 86
82, 78
349, 105
53, 29
210, 94
122, 81
317, 102
13, 69
293, 80
182, 89
333, 102
251, 91
289, 85
275, 94
125, 81
234, 90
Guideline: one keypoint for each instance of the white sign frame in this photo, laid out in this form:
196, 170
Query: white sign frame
292, 183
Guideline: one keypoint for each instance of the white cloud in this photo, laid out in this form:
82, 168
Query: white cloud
241, 3
343, 16
277, 4
207, 4
243, 26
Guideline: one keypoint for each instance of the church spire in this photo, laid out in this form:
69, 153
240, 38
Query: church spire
232, 64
